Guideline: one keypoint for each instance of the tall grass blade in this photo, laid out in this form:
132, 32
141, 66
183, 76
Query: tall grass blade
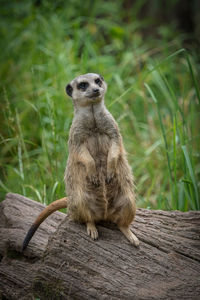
4, 187
185, 52
54, 190
162, 128
193, 76
192, 176
181, 199
175, 202
35, 191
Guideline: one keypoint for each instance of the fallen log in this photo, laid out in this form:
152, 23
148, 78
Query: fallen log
62, 262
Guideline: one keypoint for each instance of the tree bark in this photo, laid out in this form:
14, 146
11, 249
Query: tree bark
62, 262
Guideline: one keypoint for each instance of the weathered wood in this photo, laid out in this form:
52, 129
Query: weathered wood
62, 262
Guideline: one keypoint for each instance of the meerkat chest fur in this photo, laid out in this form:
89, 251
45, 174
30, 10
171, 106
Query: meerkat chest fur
94, 127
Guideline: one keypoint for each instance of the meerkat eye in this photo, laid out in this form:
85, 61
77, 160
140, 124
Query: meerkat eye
83, 85
98, 81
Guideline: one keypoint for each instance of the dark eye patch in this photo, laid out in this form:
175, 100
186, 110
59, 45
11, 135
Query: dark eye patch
98, 81
83, 85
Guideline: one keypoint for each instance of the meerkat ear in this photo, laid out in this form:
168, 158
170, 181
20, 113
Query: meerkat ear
101, 77
69, 90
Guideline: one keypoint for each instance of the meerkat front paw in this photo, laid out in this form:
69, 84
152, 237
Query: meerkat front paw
94, 179
109, 176
111, 170
112, 159
92, 174
92, 231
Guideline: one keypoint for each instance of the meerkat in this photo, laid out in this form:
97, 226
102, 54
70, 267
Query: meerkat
98, 178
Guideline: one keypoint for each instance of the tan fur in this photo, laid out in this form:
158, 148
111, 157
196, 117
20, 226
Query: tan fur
99, 183
54, 206
98, 178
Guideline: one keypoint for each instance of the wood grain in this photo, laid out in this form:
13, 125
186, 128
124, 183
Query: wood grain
62, 262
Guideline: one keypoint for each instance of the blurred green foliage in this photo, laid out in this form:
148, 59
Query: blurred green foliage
153, 94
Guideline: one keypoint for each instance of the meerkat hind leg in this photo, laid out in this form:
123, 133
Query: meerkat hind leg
92, 230
129, 235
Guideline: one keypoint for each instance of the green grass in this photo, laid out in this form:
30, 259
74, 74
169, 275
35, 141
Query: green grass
153, 93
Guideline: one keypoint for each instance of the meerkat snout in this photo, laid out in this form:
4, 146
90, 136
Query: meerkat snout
96, 91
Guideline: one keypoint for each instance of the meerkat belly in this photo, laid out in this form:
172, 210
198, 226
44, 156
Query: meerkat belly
98, 146
87, 199
95, 200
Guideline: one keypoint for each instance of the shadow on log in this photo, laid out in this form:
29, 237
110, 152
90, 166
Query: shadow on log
62, 262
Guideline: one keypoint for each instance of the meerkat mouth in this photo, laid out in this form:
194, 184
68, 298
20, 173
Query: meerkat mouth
95, 95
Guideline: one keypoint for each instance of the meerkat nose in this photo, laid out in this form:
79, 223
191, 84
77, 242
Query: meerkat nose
96, 91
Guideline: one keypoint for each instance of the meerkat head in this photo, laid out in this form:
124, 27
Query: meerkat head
87, 89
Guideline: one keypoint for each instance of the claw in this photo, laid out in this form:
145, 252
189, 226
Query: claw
92, 231
95, 180
109, 177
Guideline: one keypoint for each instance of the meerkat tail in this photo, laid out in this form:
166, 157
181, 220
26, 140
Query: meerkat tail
54, 206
